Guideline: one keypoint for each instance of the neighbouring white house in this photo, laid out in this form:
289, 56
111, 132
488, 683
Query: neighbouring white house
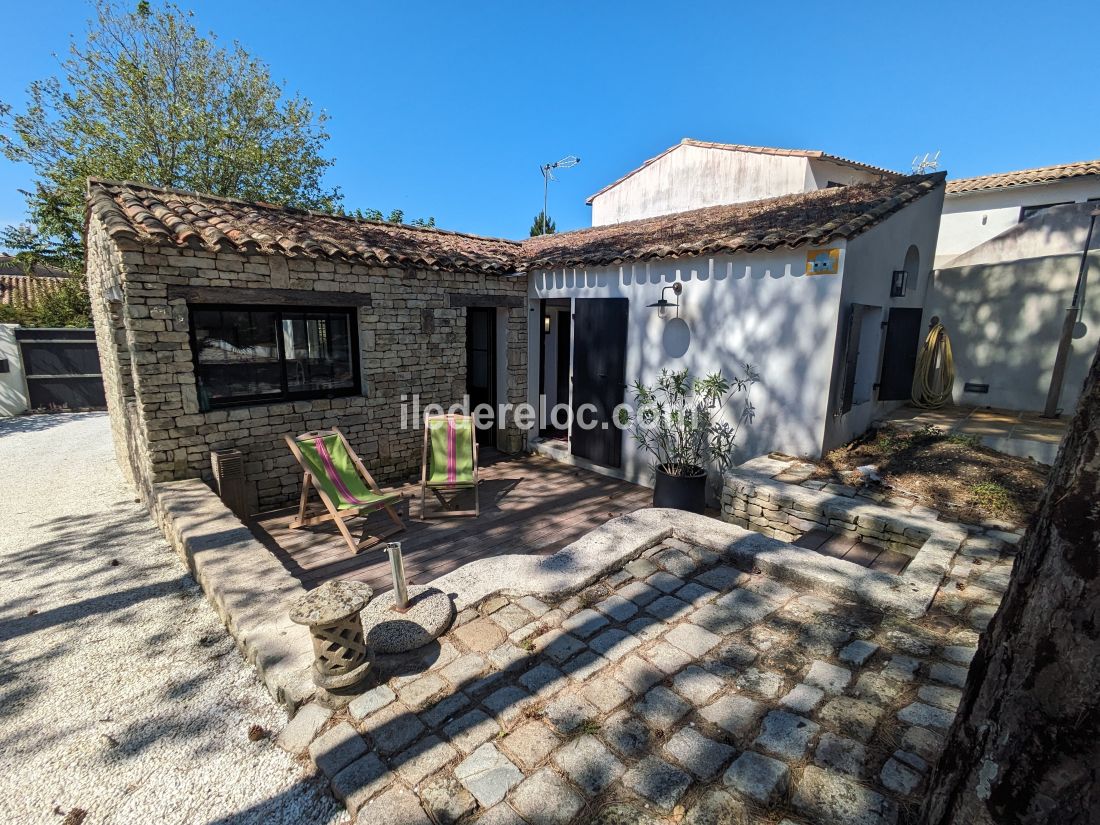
979, 209
1007, 251
695, 173
1008, 259
820, 288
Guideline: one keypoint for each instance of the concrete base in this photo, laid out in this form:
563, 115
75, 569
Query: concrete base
1045, 452
344, 680
428, 615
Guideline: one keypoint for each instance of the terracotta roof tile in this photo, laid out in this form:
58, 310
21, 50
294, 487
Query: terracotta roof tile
159, 217
151, 216
1024, 177
24, 290
791, 220
758, 150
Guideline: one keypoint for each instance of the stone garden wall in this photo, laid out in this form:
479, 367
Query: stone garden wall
753, 500
412, 339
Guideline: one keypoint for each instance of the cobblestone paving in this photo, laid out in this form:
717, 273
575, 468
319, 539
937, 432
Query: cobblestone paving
678, 689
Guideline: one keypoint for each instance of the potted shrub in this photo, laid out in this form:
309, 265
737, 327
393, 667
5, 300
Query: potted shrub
679, 422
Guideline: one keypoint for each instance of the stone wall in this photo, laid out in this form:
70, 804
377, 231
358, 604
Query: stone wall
104, 273
412, 337
752, 500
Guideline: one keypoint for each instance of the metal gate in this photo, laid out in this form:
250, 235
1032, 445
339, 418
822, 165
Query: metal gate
62, 368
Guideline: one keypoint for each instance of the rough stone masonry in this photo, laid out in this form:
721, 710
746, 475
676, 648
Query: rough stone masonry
412, 339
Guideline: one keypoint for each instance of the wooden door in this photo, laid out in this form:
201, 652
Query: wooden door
899, 355
599, 376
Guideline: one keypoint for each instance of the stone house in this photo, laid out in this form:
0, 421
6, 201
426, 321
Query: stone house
224, 324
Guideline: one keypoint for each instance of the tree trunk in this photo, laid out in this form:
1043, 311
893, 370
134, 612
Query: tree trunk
1025, 746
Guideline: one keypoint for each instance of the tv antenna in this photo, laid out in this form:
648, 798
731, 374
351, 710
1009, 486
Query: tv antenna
929, 163
547, 170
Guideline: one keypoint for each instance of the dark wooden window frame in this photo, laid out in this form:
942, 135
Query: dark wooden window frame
1034, 209
279, 311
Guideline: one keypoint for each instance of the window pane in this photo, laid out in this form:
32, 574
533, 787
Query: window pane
318, 351
1031, 211
238, 355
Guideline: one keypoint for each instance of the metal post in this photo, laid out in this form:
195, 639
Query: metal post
397, 568
545, 194
1065, 341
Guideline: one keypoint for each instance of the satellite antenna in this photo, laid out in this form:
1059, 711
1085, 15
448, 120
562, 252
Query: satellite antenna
547, 170
929, 163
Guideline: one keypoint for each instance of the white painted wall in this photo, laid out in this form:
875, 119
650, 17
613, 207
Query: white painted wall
1004, 310
556, 316
691, 177
821, 172
871, 260
759, 308
971, 218
13, 384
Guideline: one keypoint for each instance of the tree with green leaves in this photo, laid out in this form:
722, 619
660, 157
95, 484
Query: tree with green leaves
31, 248
65, 304
543, 225
395, 216
145, 97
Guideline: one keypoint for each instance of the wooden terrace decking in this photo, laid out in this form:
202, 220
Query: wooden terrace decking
530, 504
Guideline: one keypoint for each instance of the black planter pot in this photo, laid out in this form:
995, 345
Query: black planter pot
681, 492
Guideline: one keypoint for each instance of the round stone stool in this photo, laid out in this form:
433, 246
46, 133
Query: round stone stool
428, 614
332, 613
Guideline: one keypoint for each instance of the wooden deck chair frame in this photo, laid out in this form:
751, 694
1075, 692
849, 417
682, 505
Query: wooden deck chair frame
439, 490
307, 517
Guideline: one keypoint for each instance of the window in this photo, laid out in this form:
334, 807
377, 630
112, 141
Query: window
1031, 211
259, 355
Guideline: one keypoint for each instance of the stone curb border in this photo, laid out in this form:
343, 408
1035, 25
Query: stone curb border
912, 591
246, 584
626, 537
754, 499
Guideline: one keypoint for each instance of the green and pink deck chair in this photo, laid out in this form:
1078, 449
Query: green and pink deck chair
449, 464
343, 484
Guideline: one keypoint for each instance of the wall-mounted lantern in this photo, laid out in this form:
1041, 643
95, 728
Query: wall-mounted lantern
897, 283
664, 304
546, 323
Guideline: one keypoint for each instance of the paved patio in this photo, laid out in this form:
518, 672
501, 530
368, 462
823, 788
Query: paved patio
1024, 434
677, 689
529, 504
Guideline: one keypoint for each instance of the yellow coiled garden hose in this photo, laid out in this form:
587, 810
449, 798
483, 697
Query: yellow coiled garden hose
935, 373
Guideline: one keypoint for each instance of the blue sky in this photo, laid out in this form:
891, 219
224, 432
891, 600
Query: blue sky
447, 109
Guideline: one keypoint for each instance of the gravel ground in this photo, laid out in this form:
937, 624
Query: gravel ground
120, 692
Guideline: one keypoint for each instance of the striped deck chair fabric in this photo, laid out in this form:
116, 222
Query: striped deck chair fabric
450, 461
334, 472
345, 488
